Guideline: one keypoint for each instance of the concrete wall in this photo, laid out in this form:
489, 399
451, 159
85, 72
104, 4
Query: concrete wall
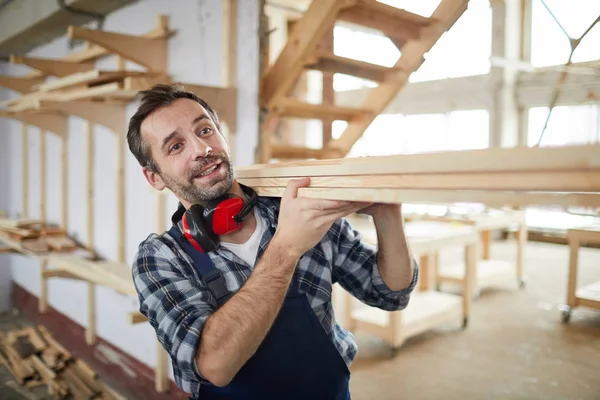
195, 56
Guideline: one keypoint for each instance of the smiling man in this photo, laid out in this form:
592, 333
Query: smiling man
239, 289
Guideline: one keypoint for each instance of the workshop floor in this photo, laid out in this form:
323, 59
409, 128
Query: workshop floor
515, 346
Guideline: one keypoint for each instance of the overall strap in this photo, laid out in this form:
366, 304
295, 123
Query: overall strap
211, 276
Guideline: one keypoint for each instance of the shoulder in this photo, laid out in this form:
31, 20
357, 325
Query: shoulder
156, 250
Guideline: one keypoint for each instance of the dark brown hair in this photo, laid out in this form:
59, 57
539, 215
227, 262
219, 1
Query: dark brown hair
158, 96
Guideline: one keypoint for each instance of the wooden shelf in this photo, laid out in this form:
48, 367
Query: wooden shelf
113, 275
329, 62
426, 311
93, 78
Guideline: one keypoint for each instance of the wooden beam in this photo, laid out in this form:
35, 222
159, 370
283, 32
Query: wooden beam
24, 170
287, 152
577, 181
150, 53
329, 62
42, 175
391, 21
282, 76
90, 332
64, 173
506, 160
20, 84
94, 77
410, 60
111, 115
399, 196
294, 108
120, 216
50, 66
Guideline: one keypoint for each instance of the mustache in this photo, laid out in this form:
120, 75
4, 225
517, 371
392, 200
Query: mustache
202, 164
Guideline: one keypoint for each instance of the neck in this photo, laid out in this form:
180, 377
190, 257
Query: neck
236, 189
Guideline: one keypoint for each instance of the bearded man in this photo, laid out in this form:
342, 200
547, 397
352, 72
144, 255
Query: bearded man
239, 289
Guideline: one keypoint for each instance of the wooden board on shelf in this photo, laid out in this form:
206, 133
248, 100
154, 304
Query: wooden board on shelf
92, 78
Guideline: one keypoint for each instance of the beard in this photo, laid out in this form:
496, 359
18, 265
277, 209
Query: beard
193, 194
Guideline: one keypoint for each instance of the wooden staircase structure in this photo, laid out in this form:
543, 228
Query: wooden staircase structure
414, 35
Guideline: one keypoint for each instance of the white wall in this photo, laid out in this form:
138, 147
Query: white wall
195, 56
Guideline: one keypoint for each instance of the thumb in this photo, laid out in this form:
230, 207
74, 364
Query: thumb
291, 190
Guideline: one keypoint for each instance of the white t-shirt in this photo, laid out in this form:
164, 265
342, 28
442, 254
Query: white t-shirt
248, 251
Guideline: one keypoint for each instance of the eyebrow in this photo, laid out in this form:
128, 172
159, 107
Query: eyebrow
175, 133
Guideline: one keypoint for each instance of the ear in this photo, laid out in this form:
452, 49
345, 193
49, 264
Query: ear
154, 179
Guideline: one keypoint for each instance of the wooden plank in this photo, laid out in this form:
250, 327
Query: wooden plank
100, 91
391, 21
586, 181
294, 108
517, 159
287, 152
399, 196
280, 78
328, 62
21, 84
410, 60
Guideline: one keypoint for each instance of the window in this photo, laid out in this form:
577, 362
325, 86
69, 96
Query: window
568, 125
448, 58
549, 45
407, 134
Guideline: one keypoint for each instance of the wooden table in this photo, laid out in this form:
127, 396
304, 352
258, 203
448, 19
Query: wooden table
427, 308
589, 295
489, 271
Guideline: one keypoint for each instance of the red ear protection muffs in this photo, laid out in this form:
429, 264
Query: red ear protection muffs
202, 226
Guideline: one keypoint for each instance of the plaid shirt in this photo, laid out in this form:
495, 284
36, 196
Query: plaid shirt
177, 305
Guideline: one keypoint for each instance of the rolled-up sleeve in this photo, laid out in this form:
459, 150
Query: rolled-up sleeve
176, 306
355, 268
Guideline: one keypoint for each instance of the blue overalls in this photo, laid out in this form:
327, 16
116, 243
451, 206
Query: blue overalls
295, 361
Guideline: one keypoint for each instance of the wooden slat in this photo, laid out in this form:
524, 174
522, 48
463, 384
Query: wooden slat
411, 59
329, 62
522, 181
517, 159
52, 66
93, 77
280, 78
287, 152
20, 84
298, 109
392, 21
398, 196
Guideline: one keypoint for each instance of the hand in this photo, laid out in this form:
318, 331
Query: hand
304, 221
380, 209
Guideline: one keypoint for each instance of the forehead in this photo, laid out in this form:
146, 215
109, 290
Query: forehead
179, 115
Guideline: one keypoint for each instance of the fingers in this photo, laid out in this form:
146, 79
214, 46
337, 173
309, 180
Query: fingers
291, 190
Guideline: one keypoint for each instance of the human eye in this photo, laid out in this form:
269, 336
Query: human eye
205, 131
174, 148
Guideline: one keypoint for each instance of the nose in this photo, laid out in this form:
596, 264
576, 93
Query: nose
201, 148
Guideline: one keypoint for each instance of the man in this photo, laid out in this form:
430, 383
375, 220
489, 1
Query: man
269, 331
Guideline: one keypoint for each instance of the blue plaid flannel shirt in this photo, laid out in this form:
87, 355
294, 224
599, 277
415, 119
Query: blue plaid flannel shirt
177, 305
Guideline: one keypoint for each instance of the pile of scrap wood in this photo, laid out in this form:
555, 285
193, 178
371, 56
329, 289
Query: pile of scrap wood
35, 358
36, 236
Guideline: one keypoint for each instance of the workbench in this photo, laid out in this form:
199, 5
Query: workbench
427, 309
589, 295
490, 271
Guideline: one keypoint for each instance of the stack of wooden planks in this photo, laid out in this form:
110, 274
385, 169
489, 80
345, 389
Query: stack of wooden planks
519, 176
35, 358
35, 236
